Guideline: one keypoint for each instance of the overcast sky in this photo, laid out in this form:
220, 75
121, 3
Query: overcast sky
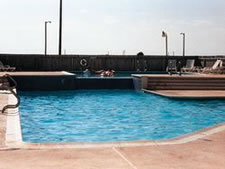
102, 26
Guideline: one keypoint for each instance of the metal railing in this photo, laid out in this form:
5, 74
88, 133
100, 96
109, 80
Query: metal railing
9, 84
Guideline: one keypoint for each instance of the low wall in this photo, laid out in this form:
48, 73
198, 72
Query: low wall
94, 62
70, 82
48, 83
104, 83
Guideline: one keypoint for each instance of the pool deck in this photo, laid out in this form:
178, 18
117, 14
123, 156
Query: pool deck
200, 150
207, 152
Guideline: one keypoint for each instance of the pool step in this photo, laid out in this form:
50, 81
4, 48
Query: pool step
186, 83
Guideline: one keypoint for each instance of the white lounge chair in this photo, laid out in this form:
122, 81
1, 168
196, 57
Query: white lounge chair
216, 68
190, 66
6, 68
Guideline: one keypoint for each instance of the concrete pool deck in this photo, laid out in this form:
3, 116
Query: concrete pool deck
200, 150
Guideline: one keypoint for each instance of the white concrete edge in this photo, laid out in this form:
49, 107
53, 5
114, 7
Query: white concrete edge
13, 125
13, 130
67, 73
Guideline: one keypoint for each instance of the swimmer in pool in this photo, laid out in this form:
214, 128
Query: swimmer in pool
106, 73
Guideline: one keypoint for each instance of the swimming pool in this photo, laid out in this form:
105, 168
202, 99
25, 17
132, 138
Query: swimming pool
112, 115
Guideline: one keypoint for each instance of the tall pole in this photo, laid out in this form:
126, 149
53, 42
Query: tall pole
166, 45
164, 34
60, 28
46, 36
183, 34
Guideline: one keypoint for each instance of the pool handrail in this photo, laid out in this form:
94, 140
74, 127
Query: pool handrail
10, 88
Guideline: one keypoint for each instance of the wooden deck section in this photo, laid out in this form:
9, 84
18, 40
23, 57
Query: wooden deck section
194, 86
189, 94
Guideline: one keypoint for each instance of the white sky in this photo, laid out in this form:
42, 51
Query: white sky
101, 26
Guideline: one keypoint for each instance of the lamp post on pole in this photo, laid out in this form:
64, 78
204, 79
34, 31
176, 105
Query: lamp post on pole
183, 34
164, 35
60, 28
46, 35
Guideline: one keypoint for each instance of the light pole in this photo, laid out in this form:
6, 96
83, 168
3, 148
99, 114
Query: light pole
164, 35
46, 35
60, 28
183, 34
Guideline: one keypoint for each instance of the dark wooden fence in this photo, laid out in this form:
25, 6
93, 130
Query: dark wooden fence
96, 62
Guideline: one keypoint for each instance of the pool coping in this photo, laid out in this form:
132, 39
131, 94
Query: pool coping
13, 139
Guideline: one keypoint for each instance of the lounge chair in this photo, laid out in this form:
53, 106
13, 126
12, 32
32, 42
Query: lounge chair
6, 68
172, 66
190, 66
216, 68
217, 64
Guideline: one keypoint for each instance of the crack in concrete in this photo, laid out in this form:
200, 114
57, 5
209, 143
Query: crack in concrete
124, 158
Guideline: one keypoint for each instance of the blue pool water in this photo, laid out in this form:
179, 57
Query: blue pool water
112, 115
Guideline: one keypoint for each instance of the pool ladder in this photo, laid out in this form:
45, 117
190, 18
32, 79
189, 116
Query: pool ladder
9, 84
